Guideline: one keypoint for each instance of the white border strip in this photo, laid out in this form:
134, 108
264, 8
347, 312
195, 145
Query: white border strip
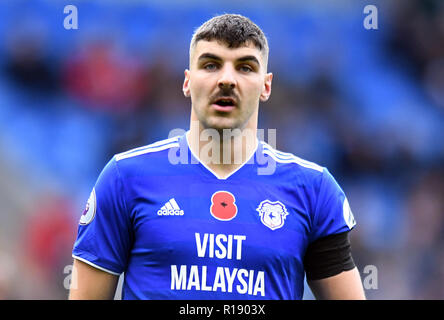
287, 156
95, 266
148, 150
294, 159
152, 145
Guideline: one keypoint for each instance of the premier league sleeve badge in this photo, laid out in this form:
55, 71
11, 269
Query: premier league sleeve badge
90, 209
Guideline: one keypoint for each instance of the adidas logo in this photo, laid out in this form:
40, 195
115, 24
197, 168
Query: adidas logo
170, 209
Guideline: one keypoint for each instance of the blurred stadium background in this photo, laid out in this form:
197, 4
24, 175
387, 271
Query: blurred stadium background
368, 104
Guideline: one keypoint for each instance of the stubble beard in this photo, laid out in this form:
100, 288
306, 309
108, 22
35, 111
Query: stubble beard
220, 122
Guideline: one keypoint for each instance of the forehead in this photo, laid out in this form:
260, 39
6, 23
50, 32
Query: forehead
222, 50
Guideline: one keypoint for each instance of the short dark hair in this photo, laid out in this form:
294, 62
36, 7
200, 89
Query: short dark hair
234, 30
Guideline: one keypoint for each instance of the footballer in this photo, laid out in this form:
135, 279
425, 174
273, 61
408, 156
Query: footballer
207, 226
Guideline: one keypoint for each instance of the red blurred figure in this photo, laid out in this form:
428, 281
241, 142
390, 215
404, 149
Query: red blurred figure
104, 78
48, 237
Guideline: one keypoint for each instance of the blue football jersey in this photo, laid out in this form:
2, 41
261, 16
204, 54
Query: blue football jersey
177, 231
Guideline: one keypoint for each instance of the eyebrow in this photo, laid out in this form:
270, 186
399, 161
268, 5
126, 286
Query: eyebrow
211, 56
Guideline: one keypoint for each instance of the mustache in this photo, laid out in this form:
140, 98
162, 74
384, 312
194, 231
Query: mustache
225, 93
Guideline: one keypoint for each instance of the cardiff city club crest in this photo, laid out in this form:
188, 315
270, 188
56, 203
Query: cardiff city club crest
272, 213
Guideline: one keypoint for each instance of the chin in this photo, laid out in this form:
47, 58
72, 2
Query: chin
223, 125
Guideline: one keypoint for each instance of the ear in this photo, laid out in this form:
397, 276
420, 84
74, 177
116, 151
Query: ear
186, 84
266, 90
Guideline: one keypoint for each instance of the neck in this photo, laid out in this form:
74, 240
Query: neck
223, 151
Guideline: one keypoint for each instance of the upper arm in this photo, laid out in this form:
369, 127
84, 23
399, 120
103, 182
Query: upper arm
88, 282
332, 213
105, 234
331, 273
343, 286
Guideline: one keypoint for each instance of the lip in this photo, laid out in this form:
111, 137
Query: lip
222, 108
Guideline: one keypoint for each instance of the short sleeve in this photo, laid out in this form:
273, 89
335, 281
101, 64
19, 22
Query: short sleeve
332, 212
104, 231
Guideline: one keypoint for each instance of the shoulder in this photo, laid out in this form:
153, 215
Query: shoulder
152, 148
288, 160
145, 160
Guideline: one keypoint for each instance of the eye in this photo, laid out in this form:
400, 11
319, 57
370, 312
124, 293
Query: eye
245, 68
211, 66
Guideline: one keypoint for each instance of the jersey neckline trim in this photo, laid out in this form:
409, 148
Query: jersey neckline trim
249, 159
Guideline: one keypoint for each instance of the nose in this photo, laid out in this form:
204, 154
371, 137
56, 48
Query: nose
227, 78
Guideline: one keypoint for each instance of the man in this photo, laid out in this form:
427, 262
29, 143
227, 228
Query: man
210, 225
